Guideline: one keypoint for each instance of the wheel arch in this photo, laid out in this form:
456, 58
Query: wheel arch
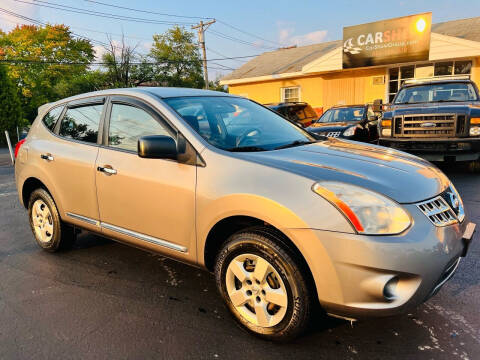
228, 226
30, 185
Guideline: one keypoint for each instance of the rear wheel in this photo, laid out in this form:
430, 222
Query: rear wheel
50, 232
263, 285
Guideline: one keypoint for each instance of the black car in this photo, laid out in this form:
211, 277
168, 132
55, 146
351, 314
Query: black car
438, 120
299, 113
355, 122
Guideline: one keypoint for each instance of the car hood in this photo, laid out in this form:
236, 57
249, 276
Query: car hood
323, 126
398, 175
434, 108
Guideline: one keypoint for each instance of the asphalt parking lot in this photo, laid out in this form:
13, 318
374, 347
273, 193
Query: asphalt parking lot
106, 300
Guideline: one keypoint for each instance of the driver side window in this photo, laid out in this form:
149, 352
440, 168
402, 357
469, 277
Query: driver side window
327, 116
128, 124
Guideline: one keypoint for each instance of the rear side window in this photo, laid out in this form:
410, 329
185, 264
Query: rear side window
310, 112
128, 124
81, 123
51, 118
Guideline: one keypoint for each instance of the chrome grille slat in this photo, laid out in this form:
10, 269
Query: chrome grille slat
333, 134
438, 211
410, 125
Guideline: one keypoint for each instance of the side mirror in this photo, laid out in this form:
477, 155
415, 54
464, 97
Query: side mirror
377, 105
157, 147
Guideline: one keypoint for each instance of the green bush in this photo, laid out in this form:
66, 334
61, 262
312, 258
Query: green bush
10, 109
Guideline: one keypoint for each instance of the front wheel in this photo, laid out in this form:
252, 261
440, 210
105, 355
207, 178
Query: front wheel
264, 285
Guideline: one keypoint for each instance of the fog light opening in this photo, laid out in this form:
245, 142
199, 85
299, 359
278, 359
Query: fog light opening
389, 290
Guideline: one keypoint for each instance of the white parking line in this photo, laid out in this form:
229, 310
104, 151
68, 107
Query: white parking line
8, 194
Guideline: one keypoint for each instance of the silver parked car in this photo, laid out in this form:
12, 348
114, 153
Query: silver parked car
218, 181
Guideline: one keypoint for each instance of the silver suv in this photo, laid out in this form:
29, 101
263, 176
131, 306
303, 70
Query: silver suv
283, 220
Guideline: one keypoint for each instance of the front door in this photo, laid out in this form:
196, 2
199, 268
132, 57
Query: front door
148, 202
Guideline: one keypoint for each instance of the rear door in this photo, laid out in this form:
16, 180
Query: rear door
70, 160
147, 202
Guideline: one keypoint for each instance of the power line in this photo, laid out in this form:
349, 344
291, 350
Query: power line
237, 40
58, 63
162, 61
76, 10
250, 34
111, 34
38, 22
225, 57
187, 17
224, 66
147, 11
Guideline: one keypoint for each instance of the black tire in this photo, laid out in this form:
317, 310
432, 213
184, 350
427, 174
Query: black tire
267, 244
63, 234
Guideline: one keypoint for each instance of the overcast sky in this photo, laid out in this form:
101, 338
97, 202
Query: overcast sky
265, 24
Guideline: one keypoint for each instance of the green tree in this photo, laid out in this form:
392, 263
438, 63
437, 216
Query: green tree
92, 80
123, 67
177, 59
215, 86
40, 58
10, 108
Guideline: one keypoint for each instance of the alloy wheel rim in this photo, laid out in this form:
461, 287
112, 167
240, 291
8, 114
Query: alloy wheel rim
42, 221
256, 290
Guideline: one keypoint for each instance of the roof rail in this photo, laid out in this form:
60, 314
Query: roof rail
437, 78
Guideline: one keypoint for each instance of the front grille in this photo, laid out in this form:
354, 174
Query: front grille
438, 211
438, 125
333, 134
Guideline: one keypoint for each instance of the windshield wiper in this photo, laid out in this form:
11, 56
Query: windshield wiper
295, 143
246, 149
449, 100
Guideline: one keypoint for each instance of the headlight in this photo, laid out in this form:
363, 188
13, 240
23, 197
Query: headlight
368, 212
386, 132
475, 131
350, 131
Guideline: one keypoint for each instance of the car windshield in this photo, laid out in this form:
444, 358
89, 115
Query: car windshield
237, 124
343, 114
436, 93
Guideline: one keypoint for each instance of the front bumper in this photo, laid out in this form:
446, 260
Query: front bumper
352, 270
447, 149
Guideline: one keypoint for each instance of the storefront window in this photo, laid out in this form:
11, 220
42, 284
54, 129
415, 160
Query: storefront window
463, 67
291, 94
407, 72
398, 75
444, 68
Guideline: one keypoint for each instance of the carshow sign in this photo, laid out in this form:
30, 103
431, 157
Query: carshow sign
392, 41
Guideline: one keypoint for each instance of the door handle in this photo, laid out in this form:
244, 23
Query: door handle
107, 169
48, 157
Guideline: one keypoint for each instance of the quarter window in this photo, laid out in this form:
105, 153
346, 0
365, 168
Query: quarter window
291, 94
128, 124
51, 118
81, 123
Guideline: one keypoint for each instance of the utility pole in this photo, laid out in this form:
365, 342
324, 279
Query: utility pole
201, 28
